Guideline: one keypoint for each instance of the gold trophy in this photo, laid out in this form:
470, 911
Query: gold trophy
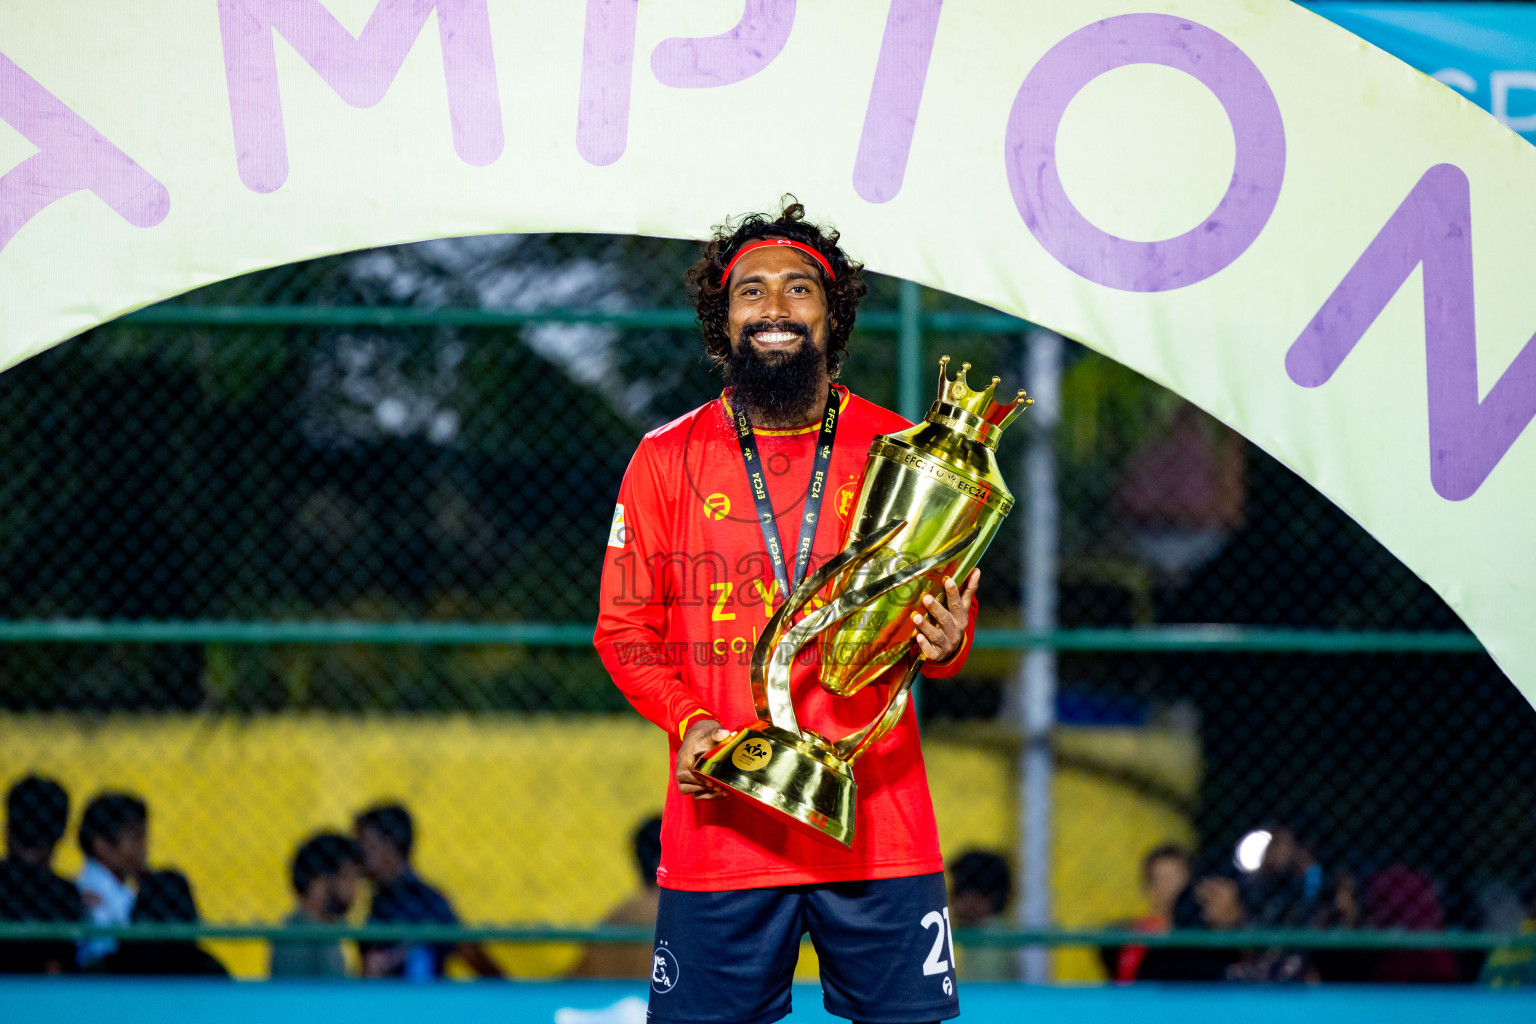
931, 501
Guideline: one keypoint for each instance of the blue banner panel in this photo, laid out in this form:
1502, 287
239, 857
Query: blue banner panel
94, 1001
1485, 51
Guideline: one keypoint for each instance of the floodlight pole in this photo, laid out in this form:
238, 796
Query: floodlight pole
1033, 701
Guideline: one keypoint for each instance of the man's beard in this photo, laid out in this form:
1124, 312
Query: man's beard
775, 386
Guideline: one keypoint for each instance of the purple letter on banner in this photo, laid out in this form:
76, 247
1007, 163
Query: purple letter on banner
360, 70
72, 156
1433, 226
608, 53
729, 58
607, 66
1030, 152
893, 99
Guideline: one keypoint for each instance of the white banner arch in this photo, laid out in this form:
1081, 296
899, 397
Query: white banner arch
1318, 245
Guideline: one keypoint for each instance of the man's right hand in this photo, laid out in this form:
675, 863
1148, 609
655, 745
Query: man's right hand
697, 741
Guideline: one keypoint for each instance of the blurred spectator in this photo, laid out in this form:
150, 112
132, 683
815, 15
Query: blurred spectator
1290, 888
980, 886
1512, 966
1293, 888
324, 875
628, 959
36, 814
1165, 873
165, 897
1500, 908
385, 836
114, 836
1213, 903
1183, 492
1400, 897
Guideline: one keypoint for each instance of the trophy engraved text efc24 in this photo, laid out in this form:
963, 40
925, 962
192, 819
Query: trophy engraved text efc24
932, 498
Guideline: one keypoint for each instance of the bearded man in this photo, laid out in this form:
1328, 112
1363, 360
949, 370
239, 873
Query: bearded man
696, 565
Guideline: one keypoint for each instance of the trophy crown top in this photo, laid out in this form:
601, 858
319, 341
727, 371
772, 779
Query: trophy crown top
982, 404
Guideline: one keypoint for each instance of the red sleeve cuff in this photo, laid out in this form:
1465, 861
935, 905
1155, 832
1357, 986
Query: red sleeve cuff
952, 665
688, 719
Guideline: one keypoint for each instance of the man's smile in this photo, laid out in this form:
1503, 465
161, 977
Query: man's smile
775, 338
776, 335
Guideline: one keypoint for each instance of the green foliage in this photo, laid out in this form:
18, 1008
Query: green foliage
1107, 409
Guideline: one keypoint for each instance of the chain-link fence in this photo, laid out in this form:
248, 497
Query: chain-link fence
327, 538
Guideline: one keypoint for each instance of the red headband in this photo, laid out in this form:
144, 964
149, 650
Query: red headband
764, 243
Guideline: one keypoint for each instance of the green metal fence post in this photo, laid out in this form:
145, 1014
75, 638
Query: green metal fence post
909, 352
909, 397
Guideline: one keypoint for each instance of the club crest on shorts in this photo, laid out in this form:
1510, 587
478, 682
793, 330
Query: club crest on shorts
664, 970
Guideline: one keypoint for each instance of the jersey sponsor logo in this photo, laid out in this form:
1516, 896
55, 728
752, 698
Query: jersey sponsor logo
617, 533
717, 506
752, 755
664, 970
846, 496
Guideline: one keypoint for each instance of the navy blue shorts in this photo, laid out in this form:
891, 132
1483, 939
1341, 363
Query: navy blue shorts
885, 947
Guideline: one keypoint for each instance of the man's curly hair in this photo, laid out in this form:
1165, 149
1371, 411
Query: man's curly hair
711, 302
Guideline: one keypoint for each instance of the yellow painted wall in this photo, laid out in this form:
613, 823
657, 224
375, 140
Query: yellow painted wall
526, 818
1108, 813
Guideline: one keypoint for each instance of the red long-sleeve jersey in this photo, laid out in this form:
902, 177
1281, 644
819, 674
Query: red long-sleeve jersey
687, 589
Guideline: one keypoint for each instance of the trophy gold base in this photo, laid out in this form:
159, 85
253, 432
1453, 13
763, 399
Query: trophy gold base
797, 778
